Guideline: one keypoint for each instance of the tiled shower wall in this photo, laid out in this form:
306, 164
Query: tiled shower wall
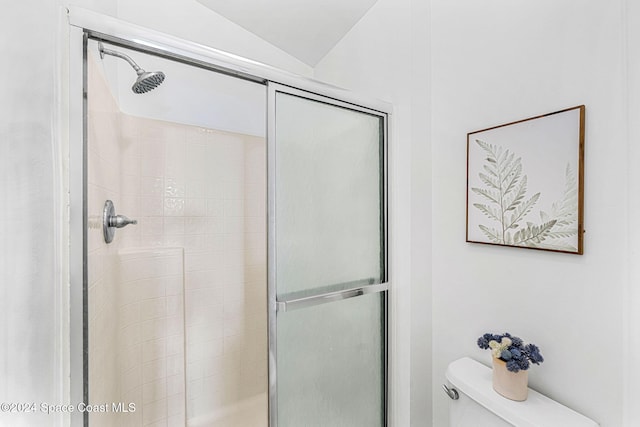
204, 191
135, 296
103, 183
150, 288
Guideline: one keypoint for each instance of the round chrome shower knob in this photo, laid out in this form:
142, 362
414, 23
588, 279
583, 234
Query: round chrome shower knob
111, 221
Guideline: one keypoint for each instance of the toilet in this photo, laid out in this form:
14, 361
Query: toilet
474, 403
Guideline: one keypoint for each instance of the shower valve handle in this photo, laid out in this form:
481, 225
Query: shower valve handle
119, 221
111, 221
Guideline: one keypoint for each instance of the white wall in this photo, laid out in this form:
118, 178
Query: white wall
385, 56
632, 296
497, 62
31, 294
492, 63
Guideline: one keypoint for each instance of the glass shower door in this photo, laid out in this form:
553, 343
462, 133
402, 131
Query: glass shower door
327, 262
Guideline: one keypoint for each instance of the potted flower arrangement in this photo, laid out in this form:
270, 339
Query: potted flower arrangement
511, 360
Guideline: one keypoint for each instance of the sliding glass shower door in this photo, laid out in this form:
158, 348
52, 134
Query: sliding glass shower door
327, 262
177, 309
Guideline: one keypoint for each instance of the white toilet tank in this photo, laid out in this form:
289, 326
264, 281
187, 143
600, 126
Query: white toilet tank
479, 405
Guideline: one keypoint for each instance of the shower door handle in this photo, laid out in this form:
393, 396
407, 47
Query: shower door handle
111, 221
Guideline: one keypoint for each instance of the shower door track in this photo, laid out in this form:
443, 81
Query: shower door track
120, 33
84, 25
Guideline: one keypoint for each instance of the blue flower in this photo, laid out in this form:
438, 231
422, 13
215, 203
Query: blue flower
516, 341
533, 353
523, 364
512, 350
483, 343
513, 366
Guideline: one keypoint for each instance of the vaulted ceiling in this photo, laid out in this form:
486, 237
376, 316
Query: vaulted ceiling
306, 29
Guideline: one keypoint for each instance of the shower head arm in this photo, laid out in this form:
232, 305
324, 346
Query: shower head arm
145, 81
104, 51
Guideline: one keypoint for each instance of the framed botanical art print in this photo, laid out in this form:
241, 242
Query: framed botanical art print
525, 183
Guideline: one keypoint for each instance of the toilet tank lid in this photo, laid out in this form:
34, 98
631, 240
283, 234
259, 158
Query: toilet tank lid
475, 380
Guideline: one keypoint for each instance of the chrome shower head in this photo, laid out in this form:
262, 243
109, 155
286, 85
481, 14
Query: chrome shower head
146, 81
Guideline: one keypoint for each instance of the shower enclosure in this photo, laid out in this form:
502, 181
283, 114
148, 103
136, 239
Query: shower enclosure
249, 287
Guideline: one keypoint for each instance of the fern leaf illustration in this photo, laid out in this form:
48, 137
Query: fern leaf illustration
512, 203
512, 177
491, 171
505, 189
505, 192
508, 238
544, 216
521, 210
491, 233
492, 196
489, 149
566, 209
492, 160
490, 181
562, 233
560, 246
504, 160
501, 156
508, 163
489, 211
533, 234
565, 212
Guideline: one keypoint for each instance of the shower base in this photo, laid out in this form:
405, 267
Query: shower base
250, 412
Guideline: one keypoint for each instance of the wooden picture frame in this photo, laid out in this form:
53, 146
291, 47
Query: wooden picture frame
525, 183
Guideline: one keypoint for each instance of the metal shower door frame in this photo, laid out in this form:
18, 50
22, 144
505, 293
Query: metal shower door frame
85, 24
356, 289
